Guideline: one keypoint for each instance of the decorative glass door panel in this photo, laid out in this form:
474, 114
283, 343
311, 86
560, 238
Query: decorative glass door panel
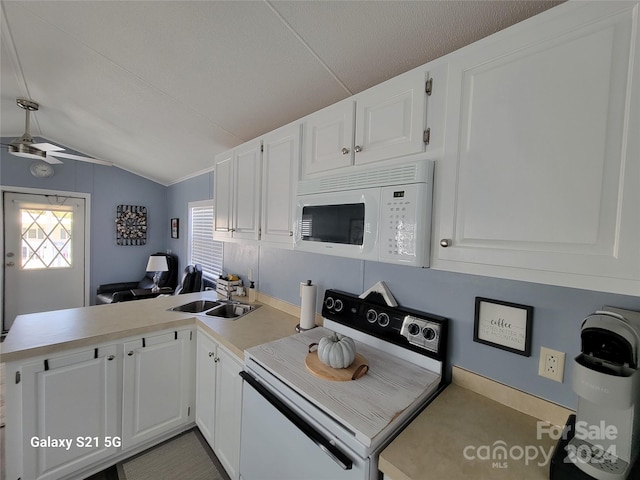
46, 238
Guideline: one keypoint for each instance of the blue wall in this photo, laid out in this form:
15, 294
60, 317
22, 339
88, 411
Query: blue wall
178, 197
558, 312
109, 187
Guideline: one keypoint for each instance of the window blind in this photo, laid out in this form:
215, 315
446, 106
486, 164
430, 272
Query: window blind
203, 249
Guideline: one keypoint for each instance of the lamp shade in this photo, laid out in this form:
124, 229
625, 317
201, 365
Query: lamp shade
157, 263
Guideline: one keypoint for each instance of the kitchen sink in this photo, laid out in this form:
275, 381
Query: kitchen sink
231, 310
223, 309
196, 307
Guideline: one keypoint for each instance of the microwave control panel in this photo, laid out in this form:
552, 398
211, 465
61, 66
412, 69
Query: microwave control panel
403, 221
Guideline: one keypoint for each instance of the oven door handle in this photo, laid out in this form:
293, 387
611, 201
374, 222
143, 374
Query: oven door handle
336, 454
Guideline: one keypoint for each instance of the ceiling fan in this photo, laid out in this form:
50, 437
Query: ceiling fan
24, 146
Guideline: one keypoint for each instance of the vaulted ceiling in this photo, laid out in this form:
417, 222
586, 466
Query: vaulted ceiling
160, 87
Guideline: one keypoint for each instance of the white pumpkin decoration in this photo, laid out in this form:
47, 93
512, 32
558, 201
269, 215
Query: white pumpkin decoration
337, 351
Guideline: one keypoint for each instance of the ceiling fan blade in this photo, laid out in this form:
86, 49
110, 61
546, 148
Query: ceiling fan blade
78, 157
47, 147
51, 160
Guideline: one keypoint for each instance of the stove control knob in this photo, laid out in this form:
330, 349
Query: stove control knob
429, 333
413, 329
339, 305
372, 315
329, 302
383, 319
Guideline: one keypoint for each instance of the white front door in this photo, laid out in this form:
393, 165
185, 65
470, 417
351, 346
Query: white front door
44, 254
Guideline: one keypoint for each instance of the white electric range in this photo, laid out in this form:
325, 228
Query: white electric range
299, 426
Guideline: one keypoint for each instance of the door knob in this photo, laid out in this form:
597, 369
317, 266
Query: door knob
446, 242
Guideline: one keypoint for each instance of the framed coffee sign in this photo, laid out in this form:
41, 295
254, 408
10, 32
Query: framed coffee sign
503, 325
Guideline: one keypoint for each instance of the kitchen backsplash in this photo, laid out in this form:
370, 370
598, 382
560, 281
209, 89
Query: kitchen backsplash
557, 311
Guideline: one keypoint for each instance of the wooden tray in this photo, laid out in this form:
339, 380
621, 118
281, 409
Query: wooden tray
357, 369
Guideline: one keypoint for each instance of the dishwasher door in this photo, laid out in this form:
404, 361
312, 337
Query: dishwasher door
279, 443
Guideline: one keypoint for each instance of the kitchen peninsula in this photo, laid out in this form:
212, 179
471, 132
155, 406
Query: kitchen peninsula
124, 371
113, 330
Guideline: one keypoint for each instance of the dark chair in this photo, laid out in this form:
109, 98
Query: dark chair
191, 280
122, 291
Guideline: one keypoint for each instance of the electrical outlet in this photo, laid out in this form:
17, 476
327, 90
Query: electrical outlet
551, 364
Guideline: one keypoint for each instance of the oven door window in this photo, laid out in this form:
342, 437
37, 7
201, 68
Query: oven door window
343, 223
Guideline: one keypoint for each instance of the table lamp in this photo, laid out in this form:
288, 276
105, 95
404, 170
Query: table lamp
158, 264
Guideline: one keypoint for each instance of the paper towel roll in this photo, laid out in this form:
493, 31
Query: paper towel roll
308, 293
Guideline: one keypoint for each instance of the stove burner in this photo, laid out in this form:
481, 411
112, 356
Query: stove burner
418, 331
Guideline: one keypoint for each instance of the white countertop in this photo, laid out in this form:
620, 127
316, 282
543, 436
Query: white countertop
48, 332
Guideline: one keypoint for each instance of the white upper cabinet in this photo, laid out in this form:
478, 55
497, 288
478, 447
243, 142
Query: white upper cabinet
280, 165
237, 192
223, 194
390, 118
540, 178
383, 122
329, 138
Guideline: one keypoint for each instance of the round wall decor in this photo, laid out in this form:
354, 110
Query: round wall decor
131, 225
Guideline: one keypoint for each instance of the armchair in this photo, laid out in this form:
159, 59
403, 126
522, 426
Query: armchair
191, 280
121, 291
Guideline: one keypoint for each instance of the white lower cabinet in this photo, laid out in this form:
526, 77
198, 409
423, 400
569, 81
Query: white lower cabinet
70, 412
219, 401
157, 385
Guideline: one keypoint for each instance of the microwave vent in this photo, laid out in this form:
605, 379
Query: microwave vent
415, 172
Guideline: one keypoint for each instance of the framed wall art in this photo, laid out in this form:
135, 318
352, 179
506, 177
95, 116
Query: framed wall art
175, 228
503, 325
131, 225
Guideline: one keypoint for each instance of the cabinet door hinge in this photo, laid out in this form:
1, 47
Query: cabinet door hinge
427, 136
191, 335
188, 411
18, 377
261, 148
429, 86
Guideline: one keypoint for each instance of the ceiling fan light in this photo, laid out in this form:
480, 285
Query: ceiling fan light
26, 151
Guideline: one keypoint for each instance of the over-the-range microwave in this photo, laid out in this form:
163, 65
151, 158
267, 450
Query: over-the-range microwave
381, 214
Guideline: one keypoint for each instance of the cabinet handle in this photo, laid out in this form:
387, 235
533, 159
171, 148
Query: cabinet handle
358, 148
290, 233
446, 242
345, 151
130, 352
211, 354
216, 360
111, 357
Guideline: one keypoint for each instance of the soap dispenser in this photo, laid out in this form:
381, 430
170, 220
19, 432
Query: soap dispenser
253, 292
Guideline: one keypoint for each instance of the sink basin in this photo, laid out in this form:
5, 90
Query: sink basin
222, 309
231, 310
196, 307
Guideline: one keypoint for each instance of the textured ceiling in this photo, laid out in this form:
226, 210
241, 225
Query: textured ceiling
160, 87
